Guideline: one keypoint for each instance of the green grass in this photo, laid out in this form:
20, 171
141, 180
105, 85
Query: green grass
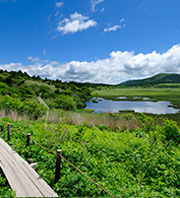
168, 85
32, 82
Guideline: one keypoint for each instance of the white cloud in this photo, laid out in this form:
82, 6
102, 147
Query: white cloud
113, 28
94, 3
116, 27
75, 23
59, 4
118, 67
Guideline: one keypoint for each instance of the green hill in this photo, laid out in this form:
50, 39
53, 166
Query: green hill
19, 92
154, 80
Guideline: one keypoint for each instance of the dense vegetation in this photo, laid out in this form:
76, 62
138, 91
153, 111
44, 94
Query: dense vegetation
157, 79
130, 155
143, 162
19, 91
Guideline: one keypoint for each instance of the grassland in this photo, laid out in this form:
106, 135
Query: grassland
167, 85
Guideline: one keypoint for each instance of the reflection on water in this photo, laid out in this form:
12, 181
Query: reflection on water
122, 97
104, 106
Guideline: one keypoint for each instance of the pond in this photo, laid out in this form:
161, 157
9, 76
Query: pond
104, 106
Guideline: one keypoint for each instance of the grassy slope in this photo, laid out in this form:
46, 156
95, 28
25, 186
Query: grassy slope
32, 82
157, 79
25, 90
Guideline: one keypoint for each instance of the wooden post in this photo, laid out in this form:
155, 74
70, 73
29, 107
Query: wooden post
1, 129
28, 139
9, 133
58, 165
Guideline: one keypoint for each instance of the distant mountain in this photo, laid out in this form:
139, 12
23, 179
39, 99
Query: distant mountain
157, 79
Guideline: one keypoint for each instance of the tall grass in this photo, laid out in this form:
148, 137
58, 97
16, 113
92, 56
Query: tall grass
121, 121
14, 115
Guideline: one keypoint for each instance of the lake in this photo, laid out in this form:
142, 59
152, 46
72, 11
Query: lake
104, 106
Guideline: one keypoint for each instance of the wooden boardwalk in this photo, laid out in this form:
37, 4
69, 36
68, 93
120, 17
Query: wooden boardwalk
22, 178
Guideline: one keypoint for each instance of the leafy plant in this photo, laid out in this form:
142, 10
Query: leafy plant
132, 163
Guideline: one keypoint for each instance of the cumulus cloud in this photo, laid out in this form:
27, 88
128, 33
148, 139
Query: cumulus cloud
94, 3
59, 4
75, 23
118, 67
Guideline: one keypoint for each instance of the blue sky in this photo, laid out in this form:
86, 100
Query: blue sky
107, 41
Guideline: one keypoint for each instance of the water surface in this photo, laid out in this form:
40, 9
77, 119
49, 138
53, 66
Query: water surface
104, 106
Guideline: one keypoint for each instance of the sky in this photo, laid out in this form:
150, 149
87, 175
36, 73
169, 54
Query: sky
98, 41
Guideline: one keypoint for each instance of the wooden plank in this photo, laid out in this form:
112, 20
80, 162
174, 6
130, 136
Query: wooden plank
21, 176
17, 179
38, 181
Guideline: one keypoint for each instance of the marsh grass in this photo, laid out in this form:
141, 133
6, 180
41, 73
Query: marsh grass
113, 121
120, 121
14, 115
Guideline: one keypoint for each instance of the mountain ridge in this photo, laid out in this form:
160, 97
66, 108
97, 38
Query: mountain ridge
156, 79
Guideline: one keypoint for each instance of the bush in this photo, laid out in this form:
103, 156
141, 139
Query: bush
30, 107
64, 102
8, 103
171, 131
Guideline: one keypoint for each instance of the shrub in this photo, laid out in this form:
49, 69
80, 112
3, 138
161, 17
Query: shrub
29, 107
8, 103
32, 108
64, 102
171, 131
